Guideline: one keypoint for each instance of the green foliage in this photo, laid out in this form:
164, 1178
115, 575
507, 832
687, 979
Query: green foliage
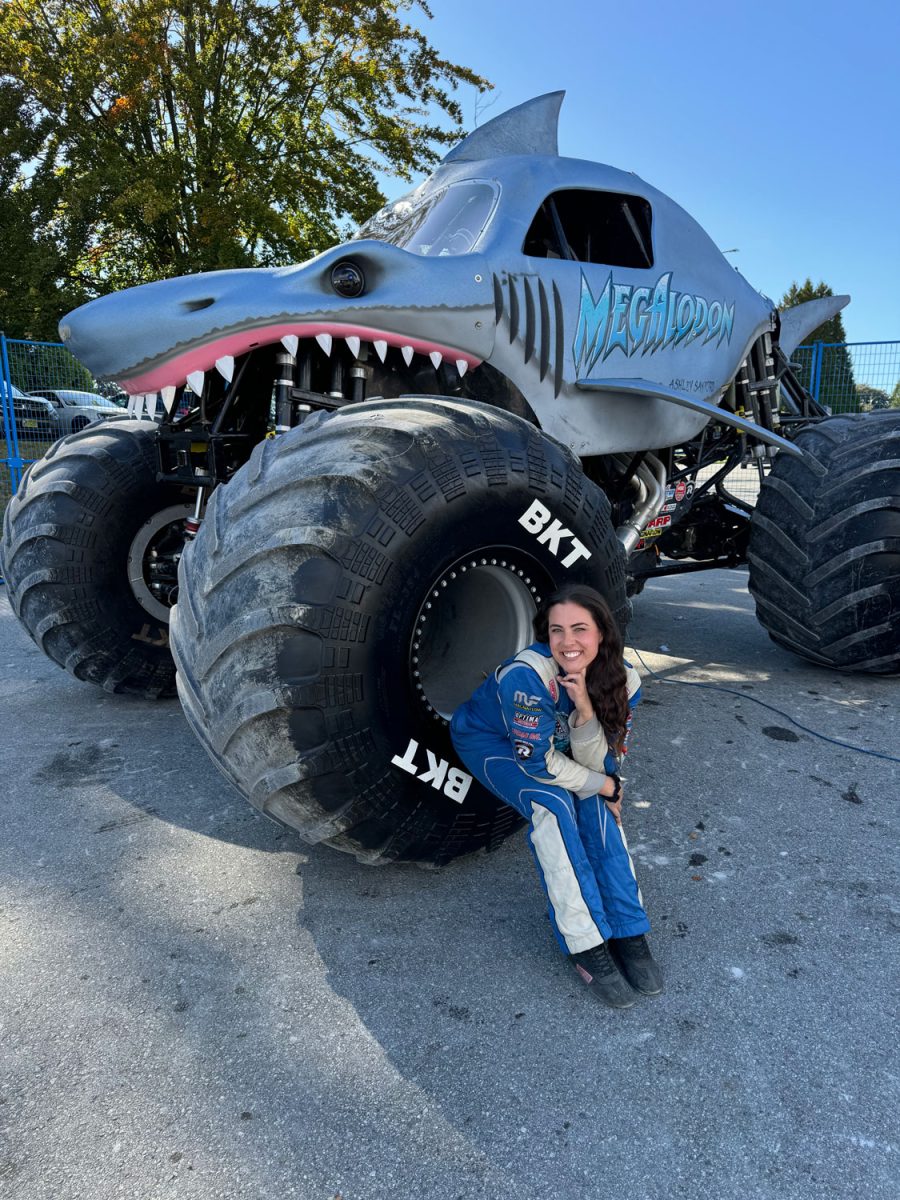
895, 396
146, 138
870, 398
837, 388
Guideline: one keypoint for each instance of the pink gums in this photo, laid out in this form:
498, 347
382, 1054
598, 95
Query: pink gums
176, 370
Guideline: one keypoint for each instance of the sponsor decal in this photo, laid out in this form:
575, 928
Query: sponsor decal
655, 527
529, 720
525, 700
679, 491
523, 750
553, 689
550, 532
645, 319
438, 772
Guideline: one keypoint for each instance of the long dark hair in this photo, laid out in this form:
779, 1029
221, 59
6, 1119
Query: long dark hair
605, 678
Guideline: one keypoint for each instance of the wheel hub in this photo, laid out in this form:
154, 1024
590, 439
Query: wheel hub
153, 560
477, 613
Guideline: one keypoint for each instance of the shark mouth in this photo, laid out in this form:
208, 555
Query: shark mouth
190, 367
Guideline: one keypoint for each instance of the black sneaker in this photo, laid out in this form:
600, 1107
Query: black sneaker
633, 958
601, 974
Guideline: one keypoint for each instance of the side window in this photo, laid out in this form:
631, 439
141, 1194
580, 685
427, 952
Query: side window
593, 227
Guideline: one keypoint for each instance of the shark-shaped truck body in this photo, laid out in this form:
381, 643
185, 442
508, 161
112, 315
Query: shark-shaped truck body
372, 465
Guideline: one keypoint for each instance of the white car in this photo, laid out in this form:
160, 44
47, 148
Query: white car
73, 409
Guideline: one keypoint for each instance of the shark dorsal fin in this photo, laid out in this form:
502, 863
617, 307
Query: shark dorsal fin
529, 128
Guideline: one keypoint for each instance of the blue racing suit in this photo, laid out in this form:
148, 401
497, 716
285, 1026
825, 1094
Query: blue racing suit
515, 735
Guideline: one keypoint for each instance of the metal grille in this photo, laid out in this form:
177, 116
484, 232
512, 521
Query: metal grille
30, 418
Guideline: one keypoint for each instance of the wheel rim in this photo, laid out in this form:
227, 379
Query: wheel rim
478, 612
153, 560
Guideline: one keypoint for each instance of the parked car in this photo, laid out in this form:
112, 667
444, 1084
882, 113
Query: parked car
34, 417
74, 409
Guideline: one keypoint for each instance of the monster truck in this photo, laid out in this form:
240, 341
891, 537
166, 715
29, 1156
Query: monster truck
372, 466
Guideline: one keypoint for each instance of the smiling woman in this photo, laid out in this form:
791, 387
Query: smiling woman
545, 733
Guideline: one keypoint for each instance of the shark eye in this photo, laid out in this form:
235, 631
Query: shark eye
347, 279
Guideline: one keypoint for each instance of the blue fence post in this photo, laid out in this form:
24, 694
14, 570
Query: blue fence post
13, 458
815, 382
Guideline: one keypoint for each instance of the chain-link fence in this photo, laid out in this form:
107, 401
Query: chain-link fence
45, 393
847, 377
851, 377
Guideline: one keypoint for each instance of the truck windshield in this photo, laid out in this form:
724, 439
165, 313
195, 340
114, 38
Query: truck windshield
445, 223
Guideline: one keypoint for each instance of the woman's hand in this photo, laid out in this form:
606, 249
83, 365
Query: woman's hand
577, 691
607, 791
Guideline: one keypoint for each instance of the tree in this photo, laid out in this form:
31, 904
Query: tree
895, 396
870, 397
836, 386
161, 137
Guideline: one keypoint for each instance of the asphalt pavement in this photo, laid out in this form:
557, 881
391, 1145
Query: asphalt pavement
193, 1003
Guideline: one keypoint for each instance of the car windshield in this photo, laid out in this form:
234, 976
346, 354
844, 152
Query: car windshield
83, 398
445, 223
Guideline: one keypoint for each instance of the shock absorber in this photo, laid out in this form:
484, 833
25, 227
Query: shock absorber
284, 381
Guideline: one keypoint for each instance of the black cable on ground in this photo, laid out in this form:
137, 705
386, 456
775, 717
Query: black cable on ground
717, 687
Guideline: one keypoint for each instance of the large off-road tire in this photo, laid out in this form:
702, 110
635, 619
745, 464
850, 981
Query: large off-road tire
90, 549
825, 545
351, 585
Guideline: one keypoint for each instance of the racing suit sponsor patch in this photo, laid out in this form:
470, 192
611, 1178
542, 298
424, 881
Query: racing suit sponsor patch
525, 701
529, 720
523, 750
561, 734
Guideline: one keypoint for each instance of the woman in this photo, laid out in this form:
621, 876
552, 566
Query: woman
538, 733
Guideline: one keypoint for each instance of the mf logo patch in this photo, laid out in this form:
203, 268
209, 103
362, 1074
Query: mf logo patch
550, 532
444, 778
525, 700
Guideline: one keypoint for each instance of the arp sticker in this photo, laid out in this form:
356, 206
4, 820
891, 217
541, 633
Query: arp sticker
444, 778
655, 527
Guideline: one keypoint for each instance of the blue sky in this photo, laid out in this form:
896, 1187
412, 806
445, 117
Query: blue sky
777, 126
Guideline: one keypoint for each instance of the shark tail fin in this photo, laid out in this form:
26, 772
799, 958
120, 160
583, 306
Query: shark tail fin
798, 322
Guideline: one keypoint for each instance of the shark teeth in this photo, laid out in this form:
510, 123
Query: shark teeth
225, 367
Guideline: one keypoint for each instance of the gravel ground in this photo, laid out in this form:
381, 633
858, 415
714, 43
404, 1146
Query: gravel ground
193, 1003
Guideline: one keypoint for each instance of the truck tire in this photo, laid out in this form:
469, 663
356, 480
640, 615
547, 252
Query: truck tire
350, 586
825, 545
85, 526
